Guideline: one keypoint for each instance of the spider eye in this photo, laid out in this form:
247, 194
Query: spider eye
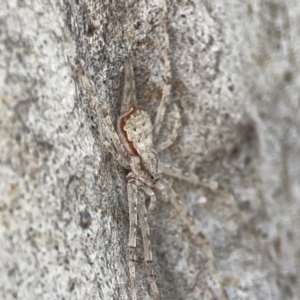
154, 178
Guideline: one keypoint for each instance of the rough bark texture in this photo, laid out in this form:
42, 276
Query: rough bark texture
64, 215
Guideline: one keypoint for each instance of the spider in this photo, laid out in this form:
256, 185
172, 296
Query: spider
132, 146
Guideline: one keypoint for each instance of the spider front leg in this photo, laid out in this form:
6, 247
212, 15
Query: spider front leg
136, 201
185, 216
142, 213
205, 245
132, 203
147, 191
178, 173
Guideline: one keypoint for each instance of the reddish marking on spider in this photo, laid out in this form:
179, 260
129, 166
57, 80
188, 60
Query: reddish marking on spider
122, 122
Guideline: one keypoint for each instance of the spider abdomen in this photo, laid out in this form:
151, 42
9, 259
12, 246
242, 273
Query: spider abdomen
136, 129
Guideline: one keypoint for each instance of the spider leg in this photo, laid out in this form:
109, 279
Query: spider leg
149, 193
175, 117
189, 221
142, 213
121, 155
146, 190
129, 93
132, 203
107, 126
186, 217
124, 162
178, 173
167, 77
161, 187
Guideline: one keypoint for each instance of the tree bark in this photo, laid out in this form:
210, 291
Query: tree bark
64, 211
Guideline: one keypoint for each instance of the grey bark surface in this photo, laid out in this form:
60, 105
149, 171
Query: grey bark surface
63, 210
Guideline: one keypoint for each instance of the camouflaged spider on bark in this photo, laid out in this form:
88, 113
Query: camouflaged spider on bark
133, 147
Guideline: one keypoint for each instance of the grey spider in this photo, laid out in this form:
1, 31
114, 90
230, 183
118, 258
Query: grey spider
132, 146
